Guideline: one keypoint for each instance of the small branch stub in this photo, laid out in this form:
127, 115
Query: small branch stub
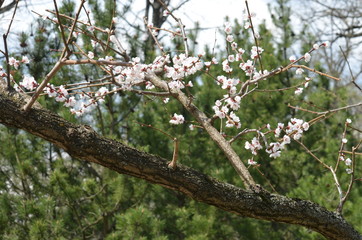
173, 163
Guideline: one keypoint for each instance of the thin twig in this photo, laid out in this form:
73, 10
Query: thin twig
73, 19
302, 109
157, 94
339, 189
118, 44
84, 54
44, 83
341, 147
12, 18
252, 29
173, 163
315, 71
262, 174
5, 36
182, 26
349, 152
61, 26
280, 89
157, 129
341, 108
245, 131
8, 77
72, 29
314, 156
111, 32
351, 181
350, 70
326, 112
153, 36
96, 62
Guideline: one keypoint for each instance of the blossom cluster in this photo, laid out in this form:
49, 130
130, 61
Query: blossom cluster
182, 67
16, 63
348, 163
254, 146
294, 129
177, 119
299, 90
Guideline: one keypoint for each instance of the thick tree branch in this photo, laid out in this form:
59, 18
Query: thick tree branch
84, 143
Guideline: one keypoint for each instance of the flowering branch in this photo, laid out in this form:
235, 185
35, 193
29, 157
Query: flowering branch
6, 53
351, 181
215, 135
343, 142
254, 35
44, 83
315, 71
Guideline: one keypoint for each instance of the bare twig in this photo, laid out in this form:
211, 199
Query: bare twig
12, 18
61, 27
182, 26
111, 32
78, 21
96, 62
315, 71
245, 131
350, 70
329, 111
341, 108
153, 36
157, 129
8, 77
72, 30
263, 175
349, 152
173, 163
118, 44
314, 156
255, 39
280, 89
339, 189
84, 54
6, 53
157, 94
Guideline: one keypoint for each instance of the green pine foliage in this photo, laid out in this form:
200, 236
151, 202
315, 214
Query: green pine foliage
54, 196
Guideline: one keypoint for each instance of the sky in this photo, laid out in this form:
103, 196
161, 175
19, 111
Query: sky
209, 13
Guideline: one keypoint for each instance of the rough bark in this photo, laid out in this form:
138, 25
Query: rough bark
84, 143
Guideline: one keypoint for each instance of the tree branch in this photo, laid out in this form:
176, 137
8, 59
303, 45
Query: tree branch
7, 7
84, 143
214, 134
